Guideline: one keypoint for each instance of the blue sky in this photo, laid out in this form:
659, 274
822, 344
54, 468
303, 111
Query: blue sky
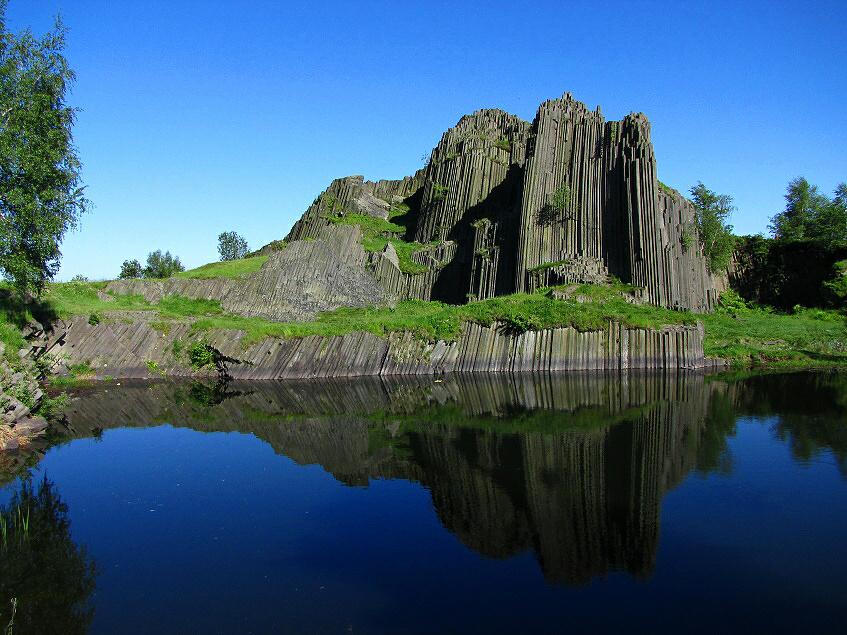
199, 117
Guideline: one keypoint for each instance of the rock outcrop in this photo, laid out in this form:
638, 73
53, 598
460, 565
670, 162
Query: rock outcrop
503, 199
20, 394
138, 349
502, 206
295, 283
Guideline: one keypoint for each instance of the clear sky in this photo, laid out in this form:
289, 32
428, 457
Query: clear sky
200, 116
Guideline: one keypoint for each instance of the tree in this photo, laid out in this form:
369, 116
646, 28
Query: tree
131, 269
556, 209
41, 196
830, 222
161, 265
712, 211
803, 204
231, 246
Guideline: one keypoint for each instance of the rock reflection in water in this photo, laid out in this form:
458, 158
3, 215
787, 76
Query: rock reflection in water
572, 467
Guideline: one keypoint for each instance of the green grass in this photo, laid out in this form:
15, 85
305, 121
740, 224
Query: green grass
377, 233
435, 320
225, 269
549, 265
10, 335
369, 224
81, 298
756, 336
745, 336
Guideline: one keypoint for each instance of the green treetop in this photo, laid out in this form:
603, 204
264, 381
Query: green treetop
41, 195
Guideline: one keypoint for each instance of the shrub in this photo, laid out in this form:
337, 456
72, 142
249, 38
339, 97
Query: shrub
94, 319
439, 192
836, 288
556, 210
731, 301
52, 408
503, 143
201, 355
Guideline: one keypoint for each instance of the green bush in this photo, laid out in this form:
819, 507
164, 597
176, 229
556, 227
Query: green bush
556, 210
201, 355
439, 192
836, 288
52, 408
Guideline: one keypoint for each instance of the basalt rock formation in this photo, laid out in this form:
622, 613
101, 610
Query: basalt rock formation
140, 349
295, 283
504, 205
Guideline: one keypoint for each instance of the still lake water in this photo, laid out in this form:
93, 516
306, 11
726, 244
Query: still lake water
474, 504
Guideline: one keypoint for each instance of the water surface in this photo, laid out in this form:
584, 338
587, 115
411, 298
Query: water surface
473, 504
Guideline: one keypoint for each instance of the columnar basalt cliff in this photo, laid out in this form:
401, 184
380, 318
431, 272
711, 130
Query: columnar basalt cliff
504, 206
139, 349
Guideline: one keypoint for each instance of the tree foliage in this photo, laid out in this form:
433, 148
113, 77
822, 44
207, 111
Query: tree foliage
836, 288
162, 265
232, 246
810, 215
41, 195
131, 269
715, 233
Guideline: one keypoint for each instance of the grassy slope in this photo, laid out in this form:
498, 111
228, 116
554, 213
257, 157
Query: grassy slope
743, 335
225, 269
756, 336
377, 233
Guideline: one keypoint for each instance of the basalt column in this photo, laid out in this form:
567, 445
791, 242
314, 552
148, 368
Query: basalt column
472, 182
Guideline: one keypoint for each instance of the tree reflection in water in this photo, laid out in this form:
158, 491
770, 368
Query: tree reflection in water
44, 576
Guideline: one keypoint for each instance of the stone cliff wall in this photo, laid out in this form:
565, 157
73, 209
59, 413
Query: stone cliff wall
504, 198
138, 349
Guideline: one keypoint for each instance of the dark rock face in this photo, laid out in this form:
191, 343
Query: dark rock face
502, 199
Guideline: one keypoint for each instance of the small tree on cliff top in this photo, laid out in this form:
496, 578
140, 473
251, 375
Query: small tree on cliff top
131, 269
162, 265
231, 246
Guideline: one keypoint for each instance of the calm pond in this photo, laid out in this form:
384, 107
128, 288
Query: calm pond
468, 505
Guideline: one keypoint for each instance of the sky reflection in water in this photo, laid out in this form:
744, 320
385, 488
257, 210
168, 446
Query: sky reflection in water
490, 504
